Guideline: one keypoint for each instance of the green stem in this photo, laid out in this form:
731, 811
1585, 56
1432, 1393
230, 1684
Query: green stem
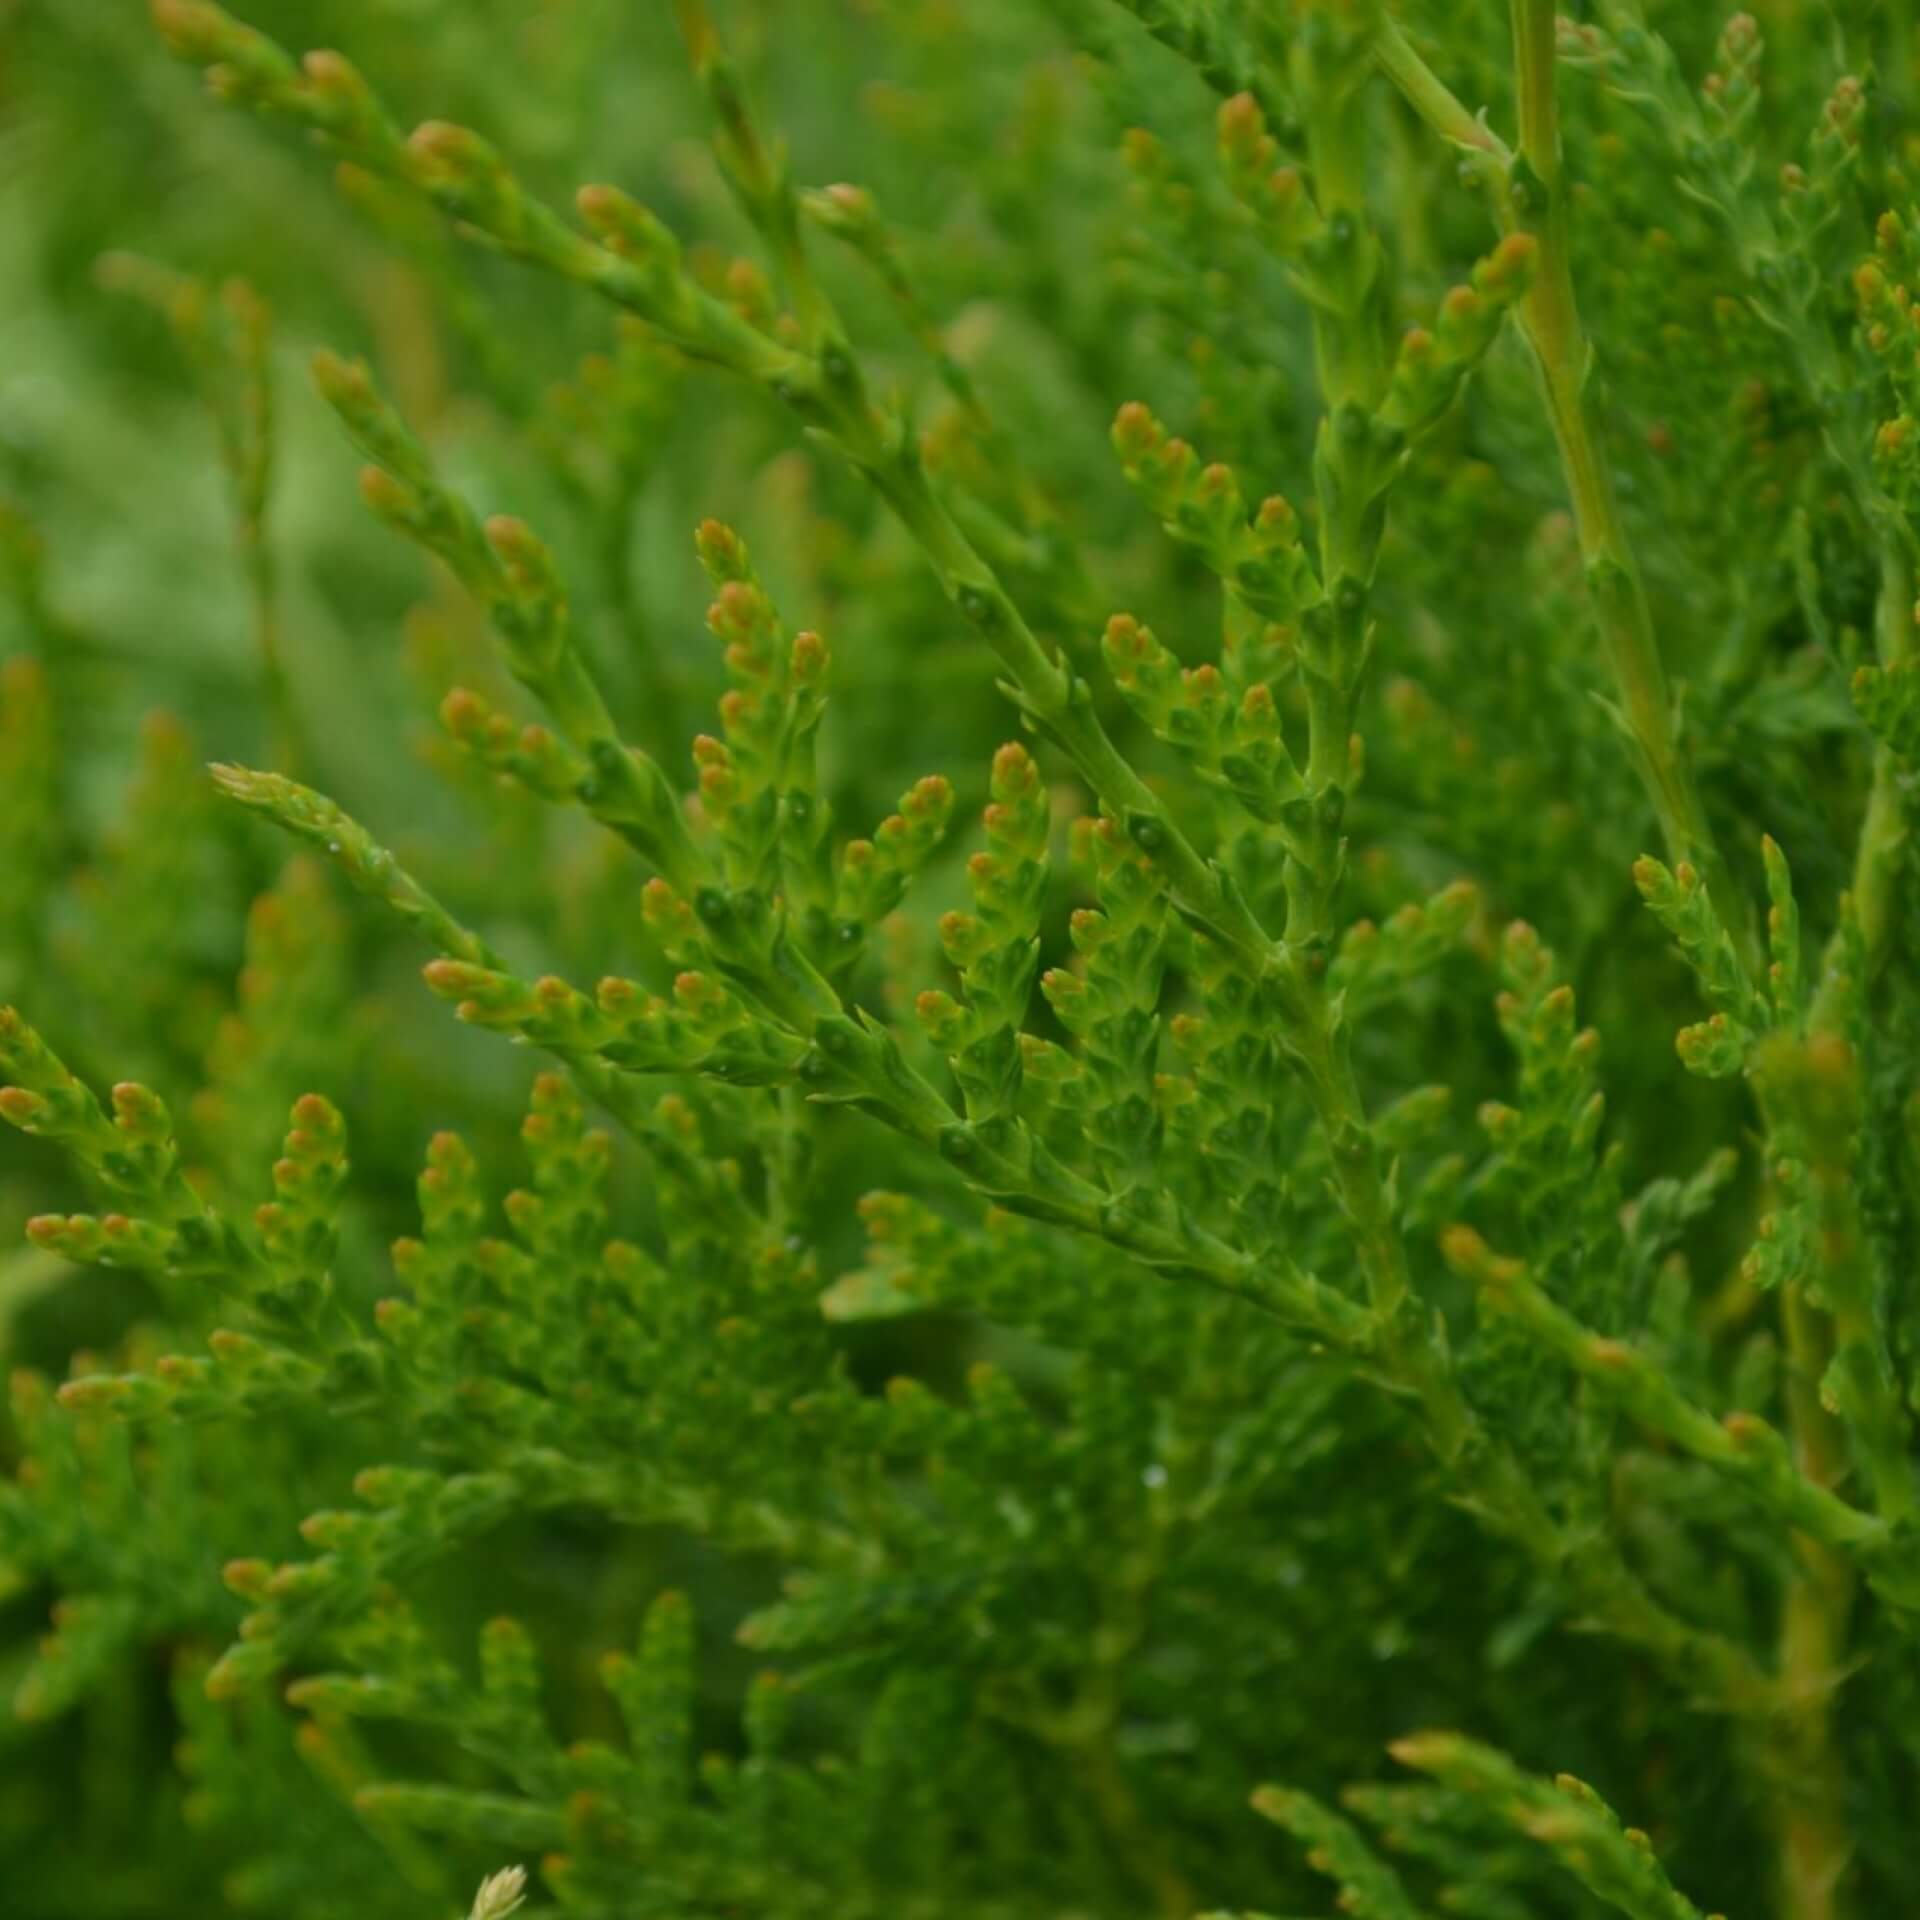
1815, 1839
1876, 861
1808, 1769
1535, 199
256, 556
1880, 1427
1550, 318
1429, 96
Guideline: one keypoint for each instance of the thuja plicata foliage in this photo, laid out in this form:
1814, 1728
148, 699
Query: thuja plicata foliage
1185, 1179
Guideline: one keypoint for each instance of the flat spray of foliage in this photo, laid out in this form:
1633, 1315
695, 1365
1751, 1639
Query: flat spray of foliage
1070, 1248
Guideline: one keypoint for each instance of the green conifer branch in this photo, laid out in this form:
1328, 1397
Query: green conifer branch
469, 182
1615, 1863
1531, 198
847, 1063
1057, 1545
1744, 1446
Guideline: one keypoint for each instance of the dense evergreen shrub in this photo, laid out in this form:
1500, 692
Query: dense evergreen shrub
1224, 1191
